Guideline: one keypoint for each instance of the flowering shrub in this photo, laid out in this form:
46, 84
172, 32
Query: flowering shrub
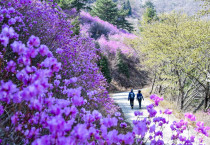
48, 95
111, 46
151, 128
109, 36
86, 18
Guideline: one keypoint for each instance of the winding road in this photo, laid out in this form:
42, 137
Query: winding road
122, 100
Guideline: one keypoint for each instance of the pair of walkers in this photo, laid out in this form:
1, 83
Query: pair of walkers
131, 97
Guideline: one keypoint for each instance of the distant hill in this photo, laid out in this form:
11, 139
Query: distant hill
190, 7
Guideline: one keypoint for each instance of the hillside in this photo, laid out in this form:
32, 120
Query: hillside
190, 7
59, 63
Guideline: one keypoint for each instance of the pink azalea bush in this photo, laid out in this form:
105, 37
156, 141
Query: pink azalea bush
114, 43
111, 38
86, 18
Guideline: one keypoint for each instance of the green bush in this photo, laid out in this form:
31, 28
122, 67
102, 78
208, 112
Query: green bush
104, 67
122, 66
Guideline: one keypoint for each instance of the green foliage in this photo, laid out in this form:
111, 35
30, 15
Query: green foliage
97, 45
122, 66
122, 22
127, 6
150, 13
177, 48
76, 28
107, 10
149, 4
65, 4
206, 8
69, 4
104, 67
79, 5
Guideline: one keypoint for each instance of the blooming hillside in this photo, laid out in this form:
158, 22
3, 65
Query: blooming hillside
51, 89
113, 43
109, 36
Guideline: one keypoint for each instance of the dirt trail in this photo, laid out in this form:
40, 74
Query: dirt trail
122, 100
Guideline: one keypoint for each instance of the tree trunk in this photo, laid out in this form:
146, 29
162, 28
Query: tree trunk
181, 91
207, 95
153, 83
199, 106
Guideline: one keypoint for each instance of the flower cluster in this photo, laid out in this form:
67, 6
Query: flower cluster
156, 99
190, 116
151, 128
51, 93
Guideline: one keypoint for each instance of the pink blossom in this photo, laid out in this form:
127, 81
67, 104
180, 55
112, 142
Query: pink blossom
140, 128
123, 125
4, 40
11, 66
18, 47
59, 50
33, 41
152, 128
9, 32
190, 116
43, 50
12, 21
168, 111
138, 113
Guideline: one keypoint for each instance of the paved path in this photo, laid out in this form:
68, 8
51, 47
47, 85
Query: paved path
122, 100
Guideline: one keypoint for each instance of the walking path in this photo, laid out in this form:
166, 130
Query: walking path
122, 100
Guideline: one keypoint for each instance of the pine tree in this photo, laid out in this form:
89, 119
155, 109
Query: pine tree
79, 4
122, 22
150, 12
105, 10
127, 6
149, 15
149, 4
104, 66
122, 66
69, 4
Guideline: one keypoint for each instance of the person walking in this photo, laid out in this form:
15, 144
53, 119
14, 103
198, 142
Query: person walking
139, 98
131, 97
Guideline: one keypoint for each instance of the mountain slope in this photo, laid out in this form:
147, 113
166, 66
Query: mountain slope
190, 7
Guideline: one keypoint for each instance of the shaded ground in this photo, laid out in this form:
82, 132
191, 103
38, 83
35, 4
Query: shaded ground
122, 100
138, 77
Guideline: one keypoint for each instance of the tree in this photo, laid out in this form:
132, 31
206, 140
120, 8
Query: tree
122, 66
176, 47
149, 15
127, 6
122, 22
150, 12
104, 67
79, 5
76, 23
105, 10
69, 4
149, 4
64, 4
206, 8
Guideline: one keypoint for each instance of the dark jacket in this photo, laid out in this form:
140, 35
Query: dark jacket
140, 96
131, 96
